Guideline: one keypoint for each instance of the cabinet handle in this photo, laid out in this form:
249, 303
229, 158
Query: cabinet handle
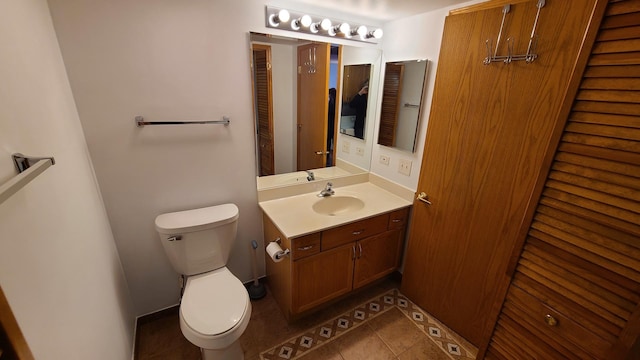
357, 232
353, 248
424, 198
550, 320
305, 248
360, 248
396, 220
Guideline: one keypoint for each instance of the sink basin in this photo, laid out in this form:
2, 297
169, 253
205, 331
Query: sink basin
336, 205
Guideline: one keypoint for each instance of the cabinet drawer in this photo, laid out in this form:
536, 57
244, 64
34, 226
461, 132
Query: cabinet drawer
355, 231
305, 246
545, 321
398, 219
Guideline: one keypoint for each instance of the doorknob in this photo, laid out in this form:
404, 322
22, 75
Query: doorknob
321, 153
424, 198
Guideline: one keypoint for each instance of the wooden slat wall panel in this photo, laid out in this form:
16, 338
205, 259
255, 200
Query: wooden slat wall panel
581, 261
393, 79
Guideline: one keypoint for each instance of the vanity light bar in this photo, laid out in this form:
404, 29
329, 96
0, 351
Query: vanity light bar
284, 19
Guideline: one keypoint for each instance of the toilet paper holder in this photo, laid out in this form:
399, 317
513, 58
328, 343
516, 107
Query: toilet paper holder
285, 252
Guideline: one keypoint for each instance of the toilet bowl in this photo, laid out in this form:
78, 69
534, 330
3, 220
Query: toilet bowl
215, 308
214, 312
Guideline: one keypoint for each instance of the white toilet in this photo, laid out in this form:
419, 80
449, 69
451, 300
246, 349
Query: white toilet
215, 307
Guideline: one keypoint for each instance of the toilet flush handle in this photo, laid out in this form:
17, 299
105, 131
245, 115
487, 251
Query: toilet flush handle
175, 238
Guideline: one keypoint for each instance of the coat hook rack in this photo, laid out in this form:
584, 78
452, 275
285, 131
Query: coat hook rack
529, 57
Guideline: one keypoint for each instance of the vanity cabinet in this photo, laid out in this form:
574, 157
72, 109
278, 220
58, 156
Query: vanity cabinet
329, 264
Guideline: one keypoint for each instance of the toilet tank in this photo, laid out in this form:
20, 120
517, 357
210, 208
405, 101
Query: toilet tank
198, 240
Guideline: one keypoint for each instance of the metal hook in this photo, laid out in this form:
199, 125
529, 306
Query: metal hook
487, 60
509, 57
531, 56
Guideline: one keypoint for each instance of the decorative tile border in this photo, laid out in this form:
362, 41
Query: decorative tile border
314, 338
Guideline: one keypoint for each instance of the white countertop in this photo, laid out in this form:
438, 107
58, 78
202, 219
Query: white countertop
294, 215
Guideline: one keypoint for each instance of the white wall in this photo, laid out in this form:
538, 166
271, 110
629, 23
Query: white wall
58, 263
411, 38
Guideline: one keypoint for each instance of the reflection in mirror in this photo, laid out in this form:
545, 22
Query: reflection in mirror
402, 99
291, 81
279, 65
355, 90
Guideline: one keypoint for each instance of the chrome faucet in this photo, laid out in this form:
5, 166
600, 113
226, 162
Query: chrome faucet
327, 191
310, 176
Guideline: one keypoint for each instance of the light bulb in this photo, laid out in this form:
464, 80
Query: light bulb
283, 15
344, 28
360, 30
377, 33
305, 21
325, 25
276, 19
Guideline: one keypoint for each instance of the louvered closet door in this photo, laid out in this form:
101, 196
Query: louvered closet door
576, 290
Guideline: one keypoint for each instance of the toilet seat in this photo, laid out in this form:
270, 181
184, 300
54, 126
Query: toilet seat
215, 309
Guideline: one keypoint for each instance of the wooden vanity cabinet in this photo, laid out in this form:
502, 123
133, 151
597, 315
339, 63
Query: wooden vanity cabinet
320, 278
329, 264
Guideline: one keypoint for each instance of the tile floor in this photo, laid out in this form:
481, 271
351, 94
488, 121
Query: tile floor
390, 335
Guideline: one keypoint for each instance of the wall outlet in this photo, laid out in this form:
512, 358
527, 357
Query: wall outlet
346, 147
405, 167
384, 159
359, 151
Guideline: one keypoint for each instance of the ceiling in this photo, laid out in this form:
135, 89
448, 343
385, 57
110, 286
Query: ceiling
381, 10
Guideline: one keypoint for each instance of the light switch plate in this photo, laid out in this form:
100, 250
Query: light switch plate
346, 147
405, 167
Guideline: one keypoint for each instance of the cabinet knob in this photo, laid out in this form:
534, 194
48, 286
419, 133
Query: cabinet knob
550, 320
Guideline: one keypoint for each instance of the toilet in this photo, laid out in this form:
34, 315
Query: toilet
215, 307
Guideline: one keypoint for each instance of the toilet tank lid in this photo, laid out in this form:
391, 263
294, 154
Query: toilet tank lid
197, 219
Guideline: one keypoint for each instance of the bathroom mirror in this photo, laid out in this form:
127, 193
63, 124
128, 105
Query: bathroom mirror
402, 99
354, 102
278, 62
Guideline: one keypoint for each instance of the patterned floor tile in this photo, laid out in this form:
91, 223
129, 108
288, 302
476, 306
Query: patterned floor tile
307, 342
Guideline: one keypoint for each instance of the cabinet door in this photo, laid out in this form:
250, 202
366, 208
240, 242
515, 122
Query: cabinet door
322, 277
376, 257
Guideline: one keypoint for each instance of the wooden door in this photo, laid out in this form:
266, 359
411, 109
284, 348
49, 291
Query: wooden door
12, 342
376, 256
392, 93
313, 101
489, 128
263, 103
581, 260
322, 277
